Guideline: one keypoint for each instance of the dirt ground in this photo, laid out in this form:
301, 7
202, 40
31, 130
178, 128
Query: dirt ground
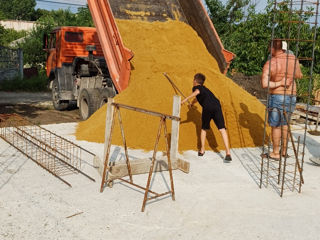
251, 84
36, 107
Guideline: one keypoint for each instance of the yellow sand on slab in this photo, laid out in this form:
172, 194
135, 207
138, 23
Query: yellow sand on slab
174, 47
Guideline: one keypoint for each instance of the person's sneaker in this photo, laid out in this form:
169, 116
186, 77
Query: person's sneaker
228, 158
200, 154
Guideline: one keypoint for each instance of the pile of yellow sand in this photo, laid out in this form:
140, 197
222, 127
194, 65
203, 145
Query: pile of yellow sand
174, 47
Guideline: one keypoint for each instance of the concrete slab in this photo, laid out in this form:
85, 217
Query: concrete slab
216, 200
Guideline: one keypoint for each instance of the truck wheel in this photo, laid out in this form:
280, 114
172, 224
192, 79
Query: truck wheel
88, 100
57, 103
104, 95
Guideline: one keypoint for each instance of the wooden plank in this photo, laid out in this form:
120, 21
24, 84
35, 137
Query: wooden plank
140, 166
183, 165
312, 108
109, 117
175, 128
157, 114
302, 114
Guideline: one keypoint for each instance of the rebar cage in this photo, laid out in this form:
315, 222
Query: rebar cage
291, 15
56, 154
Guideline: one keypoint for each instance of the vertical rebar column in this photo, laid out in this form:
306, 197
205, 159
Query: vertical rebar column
268, 95
295, 166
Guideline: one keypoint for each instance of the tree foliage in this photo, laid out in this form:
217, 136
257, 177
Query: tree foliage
238, 22
17, 9
9, 35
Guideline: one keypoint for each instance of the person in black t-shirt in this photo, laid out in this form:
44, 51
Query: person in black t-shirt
211, 109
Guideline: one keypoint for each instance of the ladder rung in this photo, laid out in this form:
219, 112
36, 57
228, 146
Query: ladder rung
305, 59
295, 40
299, 12
296, 21
297, 2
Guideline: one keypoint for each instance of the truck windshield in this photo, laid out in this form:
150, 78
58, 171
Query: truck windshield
73, 36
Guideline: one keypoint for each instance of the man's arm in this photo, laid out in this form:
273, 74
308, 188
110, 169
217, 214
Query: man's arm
265, 78
298, 73
194, 94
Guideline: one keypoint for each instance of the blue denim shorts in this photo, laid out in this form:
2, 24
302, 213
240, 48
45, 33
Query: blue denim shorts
276, 105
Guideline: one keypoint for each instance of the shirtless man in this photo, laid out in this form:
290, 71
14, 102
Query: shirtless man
285, 68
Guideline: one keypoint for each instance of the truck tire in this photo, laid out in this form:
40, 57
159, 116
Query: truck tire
88, 101
104, 95
57, 103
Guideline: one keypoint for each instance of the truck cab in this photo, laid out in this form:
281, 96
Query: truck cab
77, 69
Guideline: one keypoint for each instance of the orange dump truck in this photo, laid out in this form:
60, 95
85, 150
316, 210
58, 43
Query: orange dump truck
88, 65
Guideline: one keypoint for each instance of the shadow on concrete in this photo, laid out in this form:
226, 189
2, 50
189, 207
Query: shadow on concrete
253, 122
11, 161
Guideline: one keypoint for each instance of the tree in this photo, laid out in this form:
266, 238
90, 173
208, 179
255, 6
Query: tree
84, 17
254, 35
9, 35
226, 16
2, 32
253, 30
17, 9
235, 10
39, 13
219, 16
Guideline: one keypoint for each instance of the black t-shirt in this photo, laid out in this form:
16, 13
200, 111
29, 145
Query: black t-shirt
206, 98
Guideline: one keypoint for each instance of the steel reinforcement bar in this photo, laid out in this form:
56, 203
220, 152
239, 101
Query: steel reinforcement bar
55, 154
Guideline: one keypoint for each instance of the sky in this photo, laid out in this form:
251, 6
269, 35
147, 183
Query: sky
63, 4
75, 4
260, 4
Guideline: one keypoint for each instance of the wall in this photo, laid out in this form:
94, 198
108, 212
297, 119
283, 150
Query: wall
18, 25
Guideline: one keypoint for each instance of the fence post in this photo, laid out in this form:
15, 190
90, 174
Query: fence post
20, 54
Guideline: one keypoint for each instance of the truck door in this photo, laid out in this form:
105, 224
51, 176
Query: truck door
52, 53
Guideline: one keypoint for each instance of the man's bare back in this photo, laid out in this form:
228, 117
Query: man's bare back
282, 67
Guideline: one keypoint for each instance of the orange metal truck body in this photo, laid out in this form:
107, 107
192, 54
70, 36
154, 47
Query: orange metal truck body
116, 55
64, 50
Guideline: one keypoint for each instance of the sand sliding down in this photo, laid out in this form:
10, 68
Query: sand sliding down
174, 47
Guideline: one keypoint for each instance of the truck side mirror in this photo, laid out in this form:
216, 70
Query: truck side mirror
45, 42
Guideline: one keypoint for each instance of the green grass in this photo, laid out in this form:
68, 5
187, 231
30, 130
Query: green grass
34, 84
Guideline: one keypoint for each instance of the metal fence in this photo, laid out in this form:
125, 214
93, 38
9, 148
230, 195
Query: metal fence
11, 63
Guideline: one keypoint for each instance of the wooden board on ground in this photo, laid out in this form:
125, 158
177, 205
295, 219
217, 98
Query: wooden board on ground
311, 108
300, 113
140, 166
